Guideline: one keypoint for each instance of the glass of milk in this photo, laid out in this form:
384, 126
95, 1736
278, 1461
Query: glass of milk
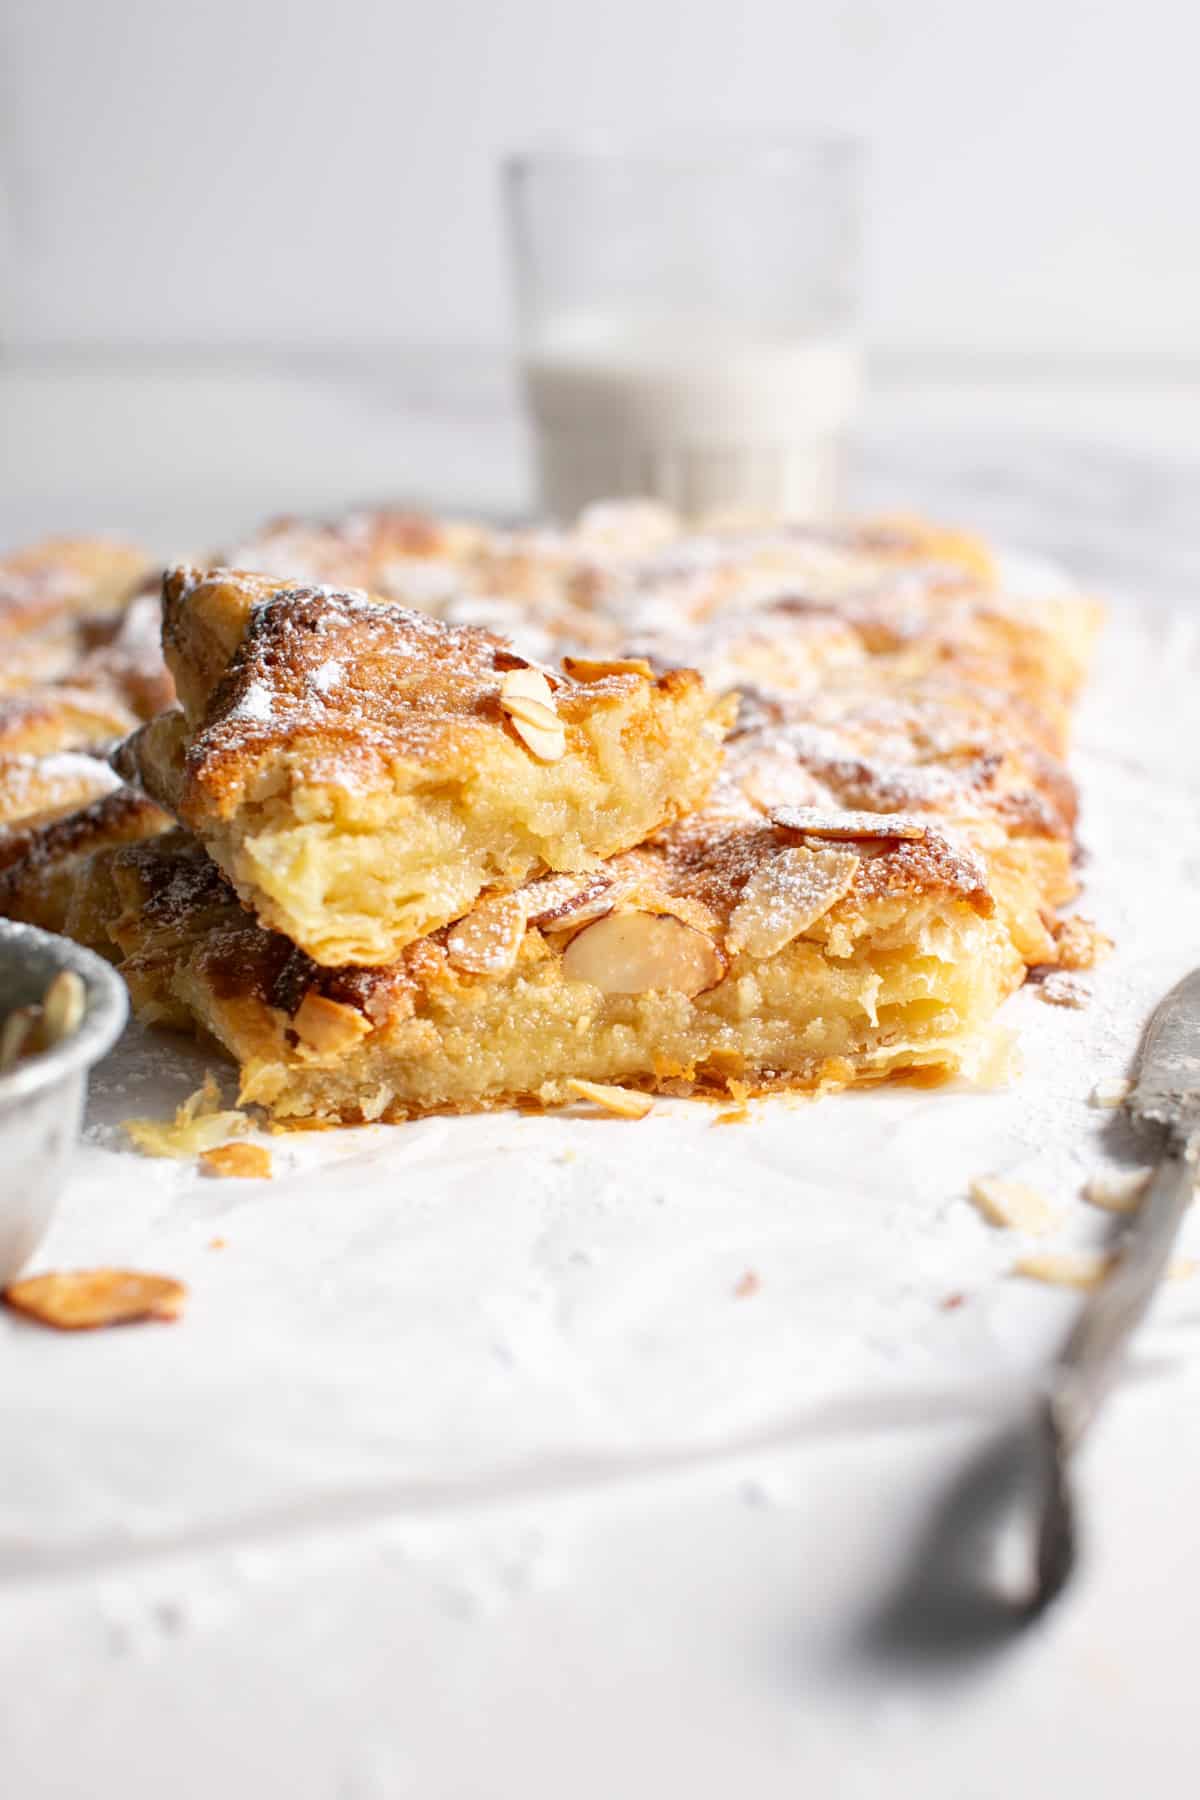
689, 324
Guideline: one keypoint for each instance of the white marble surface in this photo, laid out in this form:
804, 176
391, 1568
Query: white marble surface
449, 1488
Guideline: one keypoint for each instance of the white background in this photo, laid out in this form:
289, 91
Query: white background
305, 173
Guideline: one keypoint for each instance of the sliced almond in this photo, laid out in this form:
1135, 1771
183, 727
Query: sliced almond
642, 953
488, 939
547, 746
1065, 1268
528, 699
328, 1026
1117, 1190
17, 1034
787, 894
1012, 1204
526, 683
198, 1124
533, 712
63, 1007
563, 902
814, 821
1084, 1268
595, 668
248, 1162
84, 1299
626, 1103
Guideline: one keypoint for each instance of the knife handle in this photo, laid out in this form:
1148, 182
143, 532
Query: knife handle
1089, 1361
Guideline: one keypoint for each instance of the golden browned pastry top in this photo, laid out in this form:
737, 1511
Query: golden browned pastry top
64, 577
353, 685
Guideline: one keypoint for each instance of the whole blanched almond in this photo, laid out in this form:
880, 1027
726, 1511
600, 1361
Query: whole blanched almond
786, 894
641, 953
487, 940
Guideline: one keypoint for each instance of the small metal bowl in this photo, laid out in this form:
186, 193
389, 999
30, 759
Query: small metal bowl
41, 1099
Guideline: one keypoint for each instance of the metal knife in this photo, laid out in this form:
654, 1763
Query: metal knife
1165, 1101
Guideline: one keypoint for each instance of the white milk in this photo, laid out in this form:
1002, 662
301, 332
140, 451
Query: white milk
698, 422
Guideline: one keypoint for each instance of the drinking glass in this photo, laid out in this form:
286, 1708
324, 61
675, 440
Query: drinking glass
689, 319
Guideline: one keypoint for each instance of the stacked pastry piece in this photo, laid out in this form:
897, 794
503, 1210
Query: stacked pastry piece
80, 665
421, 867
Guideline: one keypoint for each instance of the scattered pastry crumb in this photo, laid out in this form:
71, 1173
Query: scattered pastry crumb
87, 1299
626, 1103
1012, 1205
198, 1125
1117, 1191
736, 1115
1111, 1093
248, 1162
749, 1284
1081, 944
1059, 989
216, 1243
952, 1302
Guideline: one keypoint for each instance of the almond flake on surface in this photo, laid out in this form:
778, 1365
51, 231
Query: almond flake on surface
816, 822
528, 700
1012, 1205
1065, 1268
1110, 1093
595, 668
247, 1162
626, 1103
1117, 1191
561, 902
1084, 1268
488, 939
787, 894
526, 683
86, 1299
198, 1125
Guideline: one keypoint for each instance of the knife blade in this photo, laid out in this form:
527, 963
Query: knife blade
1165, 1100
1167, 1091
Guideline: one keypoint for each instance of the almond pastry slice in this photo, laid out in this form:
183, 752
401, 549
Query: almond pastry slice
363, 773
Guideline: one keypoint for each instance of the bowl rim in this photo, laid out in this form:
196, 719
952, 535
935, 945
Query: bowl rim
103, 1021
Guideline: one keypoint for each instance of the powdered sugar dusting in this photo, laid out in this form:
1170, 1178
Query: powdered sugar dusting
255, 703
